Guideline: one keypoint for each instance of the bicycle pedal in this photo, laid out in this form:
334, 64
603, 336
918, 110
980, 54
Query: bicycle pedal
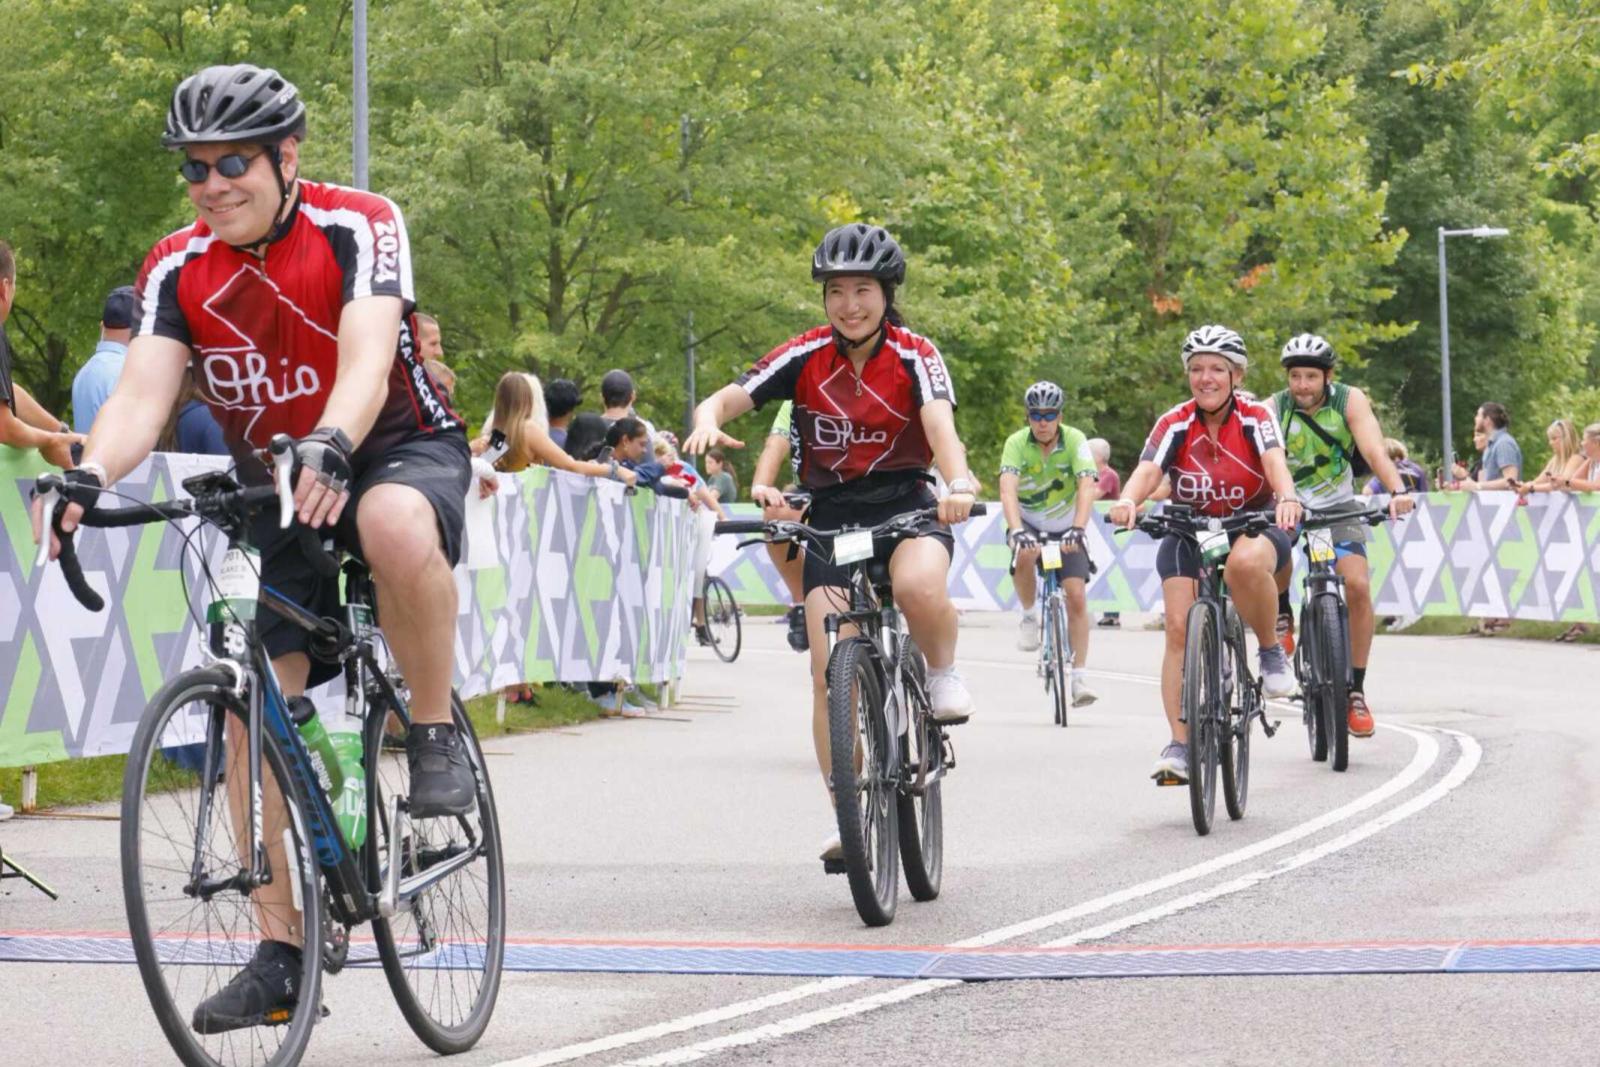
953, 722
834, 867
1168, 779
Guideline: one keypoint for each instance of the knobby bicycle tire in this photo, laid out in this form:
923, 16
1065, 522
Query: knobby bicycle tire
722, 620
1311, 682
1240, 709
921, 818
1200, 694
1334, 666
864, 799
158, 847
435, 948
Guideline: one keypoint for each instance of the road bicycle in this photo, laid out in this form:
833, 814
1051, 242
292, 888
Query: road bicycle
198, 838
724, 627
1055, 643
1322, 655
1221, 698
889, 754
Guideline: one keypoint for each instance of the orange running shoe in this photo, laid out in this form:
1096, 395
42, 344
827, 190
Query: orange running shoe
1286, 633
1360, 716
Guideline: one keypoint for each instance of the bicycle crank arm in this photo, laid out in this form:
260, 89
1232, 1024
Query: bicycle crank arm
412, 888
389, 897
1269, 728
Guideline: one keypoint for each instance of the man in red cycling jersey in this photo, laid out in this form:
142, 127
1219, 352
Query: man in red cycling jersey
292, 301
1221, 454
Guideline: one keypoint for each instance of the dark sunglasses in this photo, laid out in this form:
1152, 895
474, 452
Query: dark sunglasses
232, 165
1044, 416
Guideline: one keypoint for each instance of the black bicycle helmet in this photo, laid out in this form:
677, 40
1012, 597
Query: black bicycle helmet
1307, 350
857, 248
242, 102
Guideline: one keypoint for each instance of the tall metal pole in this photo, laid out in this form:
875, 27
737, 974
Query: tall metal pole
685, 132
1444, 358
359, 94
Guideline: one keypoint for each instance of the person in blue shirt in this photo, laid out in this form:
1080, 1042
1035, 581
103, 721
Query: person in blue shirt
96, 378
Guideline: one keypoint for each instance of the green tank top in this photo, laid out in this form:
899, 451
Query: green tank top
1323, 464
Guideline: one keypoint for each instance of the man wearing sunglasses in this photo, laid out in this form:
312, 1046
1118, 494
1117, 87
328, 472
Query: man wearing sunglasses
1048, 481
293, 302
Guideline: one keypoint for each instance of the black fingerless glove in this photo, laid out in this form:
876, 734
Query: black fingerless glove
82, 487
325, 452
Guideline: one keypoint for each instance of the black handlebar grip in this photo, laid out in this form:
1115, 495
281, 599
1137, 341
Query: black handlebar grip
979, 509
72, 570
322, 561
740, 526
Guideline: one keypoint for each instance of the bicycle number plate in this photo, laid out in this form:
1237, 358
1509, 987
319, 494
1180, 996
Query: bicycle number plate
1213, 545
1051, 556
852, 547
1321, 552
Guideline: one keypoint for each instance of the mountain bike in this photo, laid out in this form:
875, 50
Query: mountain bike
200, 838
1055, 643
1221, 698
889, 755
1322, 655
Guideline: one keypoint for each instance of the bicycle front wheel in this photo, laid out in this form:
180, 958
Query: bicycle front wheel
444, 949
1239, 707
1201, 698
862, 754
1060, 659
921, 815
185, 807
1333, 663
722, 620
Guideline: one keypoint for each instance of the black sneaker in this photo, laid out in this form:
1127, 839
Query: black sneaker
265, 993
797, 628
702, 635
441, 777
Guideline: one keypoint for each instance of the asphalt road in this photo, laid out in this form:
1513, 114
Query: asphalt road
1471, 815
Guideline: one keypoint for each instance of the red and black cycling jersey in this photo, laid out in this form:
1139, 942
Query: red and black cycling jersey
265, 332
1215, 476
847, 426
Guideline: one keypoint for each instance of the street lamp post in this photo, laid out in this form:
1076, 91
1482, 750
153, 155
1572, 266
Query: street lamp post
1444, 332
358, 102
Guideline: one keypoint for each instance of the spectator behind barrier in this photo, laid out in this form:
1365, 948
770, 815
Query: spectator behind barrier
1584, 473
1502, 457
98, 376
1562, 436
618, 394
520, 412
24, 423
1411, 472
191, 428
720, 476
561, 399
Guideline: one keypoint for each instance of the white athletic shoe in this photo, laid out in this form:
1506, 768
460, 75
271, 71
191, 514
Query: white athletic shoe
1028, 633
948, 695
1081, 693
832, 848
1277, 676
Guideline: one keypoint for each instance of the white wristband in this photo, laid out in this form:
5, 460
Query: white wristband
98, 471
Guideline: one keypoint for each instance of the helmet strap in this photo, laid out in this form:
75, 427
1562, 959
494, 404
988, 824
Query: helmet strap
283, 218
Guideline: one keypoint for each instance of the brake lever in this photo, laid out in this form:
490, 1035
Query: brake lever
48, 489
282, 449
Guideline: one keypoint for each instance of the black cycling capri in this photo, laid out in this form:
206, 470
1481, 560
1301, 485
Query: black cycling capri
437, 466
838, 513
1178, 557
1074, 561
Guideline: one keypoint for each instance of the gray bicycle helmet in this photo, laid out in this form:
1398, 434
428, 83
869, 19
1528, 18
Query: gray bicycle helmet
1307, 350
242, 102
1216, 340
857, 248
1044, 396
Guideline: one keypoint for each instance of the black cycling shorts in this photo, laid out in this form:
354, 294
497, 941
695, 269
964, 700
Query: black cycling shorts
840, 512
438, 466
1178, 557
1074, 561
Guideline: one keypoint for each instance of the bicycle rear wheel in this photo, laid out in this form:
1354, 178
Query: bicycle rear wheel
1239, 708
921, 816
191, 930
722, 620
1201, 695
444, 950
1060, 658
864, 766
1333, 663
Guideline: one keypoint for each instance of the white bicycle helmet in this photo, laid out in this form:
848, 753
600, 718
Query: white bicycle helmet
1307, 350
1215, 340
1044, 396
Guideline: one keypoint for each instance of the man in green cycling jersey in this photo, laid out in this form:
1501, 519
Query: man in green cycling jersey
1048, 481
1326, 426
765, 490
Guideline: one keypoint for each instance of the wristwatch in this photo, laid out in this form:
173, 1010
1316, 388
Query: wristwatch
961, 485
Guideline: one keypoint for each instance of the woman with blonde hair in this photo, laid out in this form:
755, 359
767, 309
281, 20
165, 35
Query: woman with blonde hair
1563, 438
519, 412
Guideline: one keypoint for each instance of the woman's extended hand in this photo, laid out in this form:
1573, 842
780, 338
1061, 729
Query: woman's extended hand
707, 436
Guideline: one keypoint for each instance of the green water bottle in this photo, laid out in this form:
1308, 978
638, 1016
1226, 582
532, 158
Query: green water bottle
330, 775
351, 806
